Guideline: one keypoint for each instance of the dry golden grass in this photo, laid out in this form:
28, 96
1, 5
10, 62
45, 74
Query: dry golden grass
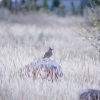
26, 39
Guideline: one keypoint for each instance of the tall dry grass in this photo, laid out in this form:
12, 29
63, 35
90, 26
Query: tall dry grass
22, 42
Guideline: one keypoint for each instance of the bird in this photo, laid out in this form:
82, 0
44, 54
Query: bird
48, 54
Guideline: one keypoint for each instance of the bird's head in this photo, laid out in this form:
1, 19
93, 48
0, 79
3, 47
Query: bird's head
50, 49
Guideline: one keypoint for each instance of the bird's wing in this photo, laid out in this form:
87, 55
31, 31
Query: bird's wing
46, 54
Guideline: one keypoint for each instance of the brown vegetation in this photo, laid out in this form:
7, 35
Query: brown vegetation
42, 68
89, 94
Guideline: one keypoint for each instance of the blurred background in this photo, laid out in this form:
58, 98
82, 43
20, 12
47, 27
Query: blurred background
36, 23
29, 27
59, 6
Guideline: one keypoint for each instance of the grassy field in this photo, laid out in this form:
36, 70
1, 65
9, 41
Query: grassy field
24, 38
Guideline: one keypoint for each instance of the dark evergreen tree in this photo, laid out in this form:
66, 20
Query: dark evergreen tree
23, 1
56, 3
96, 2
4, 3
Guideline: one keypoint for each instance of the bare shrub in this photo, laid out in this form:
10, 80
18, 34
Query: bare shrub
92, 34
89, 94
42, 68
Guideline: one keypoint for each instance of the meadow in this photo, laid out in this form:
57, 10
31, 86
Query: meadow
24, 38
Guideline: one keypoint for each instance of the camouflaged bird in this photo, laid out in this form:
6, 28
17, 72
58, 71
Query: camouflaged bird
48, 54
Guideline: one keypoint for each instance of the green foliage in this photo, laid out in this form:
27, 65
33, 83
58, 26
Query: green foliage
74, 11
97, 2
29, 7
35, 5
73, 8
62, 9
88, 5
45, 5
5, 3
62, 6
94, 3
